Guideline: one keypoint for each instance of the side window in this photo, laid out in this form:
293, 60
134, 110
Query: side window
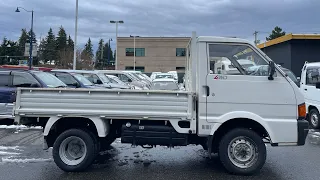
312, 75
88, 76
123, 78
236, 59
95, 78
4, 80
23, 80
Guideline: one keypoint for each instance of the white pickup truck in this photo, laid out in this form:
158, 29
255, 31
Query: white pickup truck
310, 87
231, 115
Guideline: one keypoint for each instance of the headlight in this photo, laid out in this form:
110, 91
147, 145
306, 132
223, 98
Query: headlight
138, 88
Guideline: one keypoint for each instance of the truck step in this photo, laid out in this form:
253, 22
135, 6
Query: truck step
152, 135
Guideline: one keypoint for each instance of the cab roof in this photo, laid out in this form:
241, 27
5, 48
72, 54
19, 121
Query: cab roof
222, 39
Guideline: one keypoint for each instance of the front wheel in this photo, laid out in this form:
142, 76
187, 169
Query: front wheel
314, 119
74, 150
242, 151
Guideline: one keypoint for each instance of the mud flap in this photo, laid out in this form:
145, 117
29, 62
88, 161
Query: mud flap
210, 139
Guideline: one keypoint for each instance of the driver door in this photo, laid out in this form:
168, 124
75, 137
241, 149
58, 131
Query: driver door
244, 92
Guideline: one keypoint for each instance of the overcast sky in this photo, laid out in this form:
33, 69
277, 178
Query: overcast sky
238, 18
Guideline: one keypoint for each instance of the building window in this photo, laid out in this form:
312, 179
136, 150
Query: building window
180, 51
180, 68
139, 52
138, 68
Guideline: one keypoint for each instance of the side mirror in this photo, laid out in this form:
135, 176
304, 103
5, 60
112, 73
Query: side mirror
318, 85
129, 80
99, 81
272, 70
77, 85
34, 85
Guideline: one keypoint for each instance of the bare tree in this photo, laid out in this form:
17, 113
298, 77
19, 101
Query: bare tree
66, 58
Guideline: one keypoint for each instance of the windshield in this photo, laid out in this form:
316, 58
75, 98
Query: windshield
159, 76
291, 75
83, 80
165, 86
136, 76
49, 79
66, 78
116, 80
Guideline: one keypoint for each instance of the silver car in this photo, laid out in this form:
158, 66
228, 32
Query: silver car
99, 79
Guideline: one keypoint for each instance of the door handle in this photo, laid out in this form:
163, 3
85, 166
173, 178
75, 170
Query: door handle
207, 90
306, 89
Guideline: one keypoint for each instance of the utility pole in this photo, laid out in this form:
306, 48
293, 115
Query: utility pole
75, 37
256, 41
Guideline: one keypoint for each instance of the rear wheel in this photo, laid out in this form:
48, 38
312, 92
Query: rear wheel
242, 151
74, 150
314, 119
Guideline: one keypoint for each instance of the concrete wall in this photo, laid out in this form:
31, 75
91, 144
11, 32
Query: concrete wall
160, 53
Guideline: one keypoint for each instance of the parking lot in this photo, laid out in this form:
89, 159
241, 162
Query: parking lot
21, 148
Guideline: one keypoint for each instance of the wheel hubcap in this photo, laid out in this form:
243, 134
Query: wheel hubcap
72, 150
242, 152
314, 119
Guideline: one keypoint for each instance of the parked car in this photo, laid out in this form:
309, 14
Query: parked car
153, 75
98, 79
140, 77
116, 80
165, 84
263, 70
126, 77
11, 79
73, 80
165, 76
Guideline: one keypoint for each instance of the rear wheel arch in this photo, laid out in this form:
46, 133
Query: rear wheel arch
57, 125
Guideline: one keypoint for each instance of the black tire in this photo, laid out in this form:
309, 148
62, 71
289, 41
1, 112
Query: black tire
89, 143
95, 139
314, 123
247, 136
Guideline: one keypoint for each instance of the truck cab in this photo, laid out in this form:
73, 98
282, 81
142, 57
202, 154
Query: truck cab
310, 87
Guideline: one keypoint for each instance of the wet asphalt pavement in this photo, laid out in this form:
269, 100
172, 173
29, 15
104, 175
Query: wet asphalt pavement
22, 157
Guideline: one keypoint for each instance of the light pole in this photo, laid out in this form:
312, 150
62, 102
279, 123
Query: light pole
31, 36
75, 38
109, 51
116, 58
134, 51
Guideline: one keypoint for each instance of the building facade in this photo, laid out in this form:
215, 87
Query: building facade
152, 54
292, 50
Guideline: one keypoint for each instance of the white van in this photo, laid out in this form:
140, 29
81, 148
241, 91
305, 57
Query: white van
310, 87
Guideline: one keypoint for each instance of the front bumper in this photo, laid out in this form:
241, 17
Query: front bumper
303, 130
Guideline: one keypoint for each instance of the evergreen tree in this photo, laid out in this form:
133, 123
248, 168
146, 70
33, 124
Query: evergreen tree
99, 52
70, 43
108, 54
8, 49
88, 51
277, 32
61, 39
49, 52
34, 39
23, 39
